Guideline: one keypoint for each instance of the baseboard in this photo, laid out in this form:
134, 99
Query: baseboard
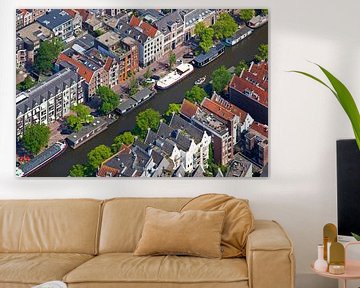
309, 280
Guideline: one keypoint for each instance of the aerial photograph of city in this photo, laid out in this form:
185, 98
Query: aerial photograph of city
142, 93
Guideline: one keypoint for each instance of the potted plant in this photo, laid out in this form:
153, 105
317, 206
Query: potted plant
344, 97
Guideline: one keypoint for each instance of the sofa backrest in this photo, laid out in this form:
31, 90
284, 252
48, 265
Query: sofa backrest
123, 220
66, 226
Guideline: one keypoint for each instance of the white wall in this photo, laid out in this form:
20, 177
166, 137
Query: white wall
305, 122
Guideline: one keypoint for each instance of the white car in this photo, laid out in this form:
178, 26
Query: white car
150, 81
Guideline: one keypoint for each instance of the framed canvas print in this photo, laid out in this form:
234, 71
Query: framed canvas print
142, 92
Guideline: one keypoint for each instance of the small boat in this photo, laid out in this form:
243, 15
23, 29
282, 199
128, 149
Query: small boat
200, 80
40, 160
257, 21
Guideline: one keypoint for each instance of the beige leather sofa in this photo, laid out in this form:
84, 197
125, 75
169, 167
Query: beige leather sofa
89, 243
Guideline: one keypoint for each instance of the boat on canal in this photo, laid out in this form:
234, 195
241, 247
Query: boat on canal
41, 159
239, 35
205, 58
200, 80
180, 73
257, 21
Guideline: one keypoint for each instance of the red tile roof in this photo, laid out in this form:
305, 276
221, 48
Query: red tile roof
218, 110
108, 63
256, 93
83, 71
188, 108
83, 13
104, 170
260, 128
71, 12
147, 29
231, 107
258, 74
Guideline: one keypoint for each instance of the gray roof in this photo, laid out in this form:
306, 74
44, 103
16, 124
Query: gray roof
242, 31
125, 30
126, 105
165, 23
86, 41
180, 172
212, 52
45, 90
54, 18
152, 12
191, 16
142, 94
199, 172
98, 122
179, 123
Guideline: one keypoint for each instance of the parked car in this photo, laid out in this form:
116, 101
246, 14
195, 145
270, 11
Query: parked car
155, 77
188, 55
179, 61
149, 81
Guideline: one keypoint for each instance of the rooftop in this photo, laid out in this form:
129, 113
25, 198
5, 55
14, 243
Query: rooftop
192, 16
54, 18
249, 89
211, 122
212, 52
260, 128
85, 130
188, 109
164, 24
146, 28
34, 32
217, 109
239, 168
109, 38
44, 91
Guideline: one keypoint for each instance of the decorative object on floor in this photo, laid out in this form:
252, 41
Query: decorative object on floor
337, 258
344, 97
239, 220
52, 284
122, 70
193, 233
329, 236
320, 264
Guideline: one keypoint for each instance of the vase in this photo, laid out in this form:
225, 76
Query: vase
320, 264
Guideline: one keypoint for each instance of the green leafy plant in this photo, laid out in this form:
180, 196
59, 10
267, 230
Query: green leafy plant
344, 97
356, 236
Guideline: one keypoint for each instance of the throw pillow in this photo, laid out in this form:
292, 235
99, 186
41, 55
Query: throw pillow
195, 233
238, 223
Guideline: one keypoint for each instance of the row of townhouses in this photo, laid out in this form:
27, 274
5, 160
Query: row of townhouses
155, 33
49, 101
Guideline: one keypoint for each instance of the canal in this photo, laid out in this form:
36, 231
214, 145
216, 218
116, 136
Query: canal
246, 50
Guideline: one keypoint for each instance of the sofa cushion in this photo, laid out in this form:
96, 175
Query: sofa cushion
123, 220
126, 268
238, 223
194, 232
35, 268
61, 226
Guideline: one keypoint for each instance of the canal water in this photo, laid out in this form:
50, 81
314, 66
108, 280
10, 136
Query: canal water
245, 50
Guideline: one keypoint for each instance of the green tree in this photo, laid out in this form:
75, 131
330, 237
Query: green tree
98, 155
263, 53
264, 11
82, 111
173, 108
98, 32
199, 28
220, 78
36, 137
146, 119
133, 86
206, 39
240, 67
109, 99
126, 138
225, 26
247, 14
48, 51
78, 170
196, 94
172, 60
147, 73
212, 167
26, 84
74, 122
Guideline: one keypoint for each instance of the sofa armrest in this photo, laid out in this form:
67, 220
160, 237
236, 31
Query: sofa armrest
269, 256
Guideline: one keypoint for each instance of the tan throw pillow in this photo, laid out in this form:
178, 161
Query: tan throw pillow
239, 220
195, 233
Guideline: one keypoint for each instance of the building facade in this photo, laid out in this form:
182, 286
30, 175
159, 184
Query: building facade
48, 101
58, 21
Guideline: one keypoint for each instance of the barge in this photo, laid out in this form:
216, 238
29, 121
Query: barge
181, 72
41, 159
239, 35
257, 21
205, 58
138, 99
